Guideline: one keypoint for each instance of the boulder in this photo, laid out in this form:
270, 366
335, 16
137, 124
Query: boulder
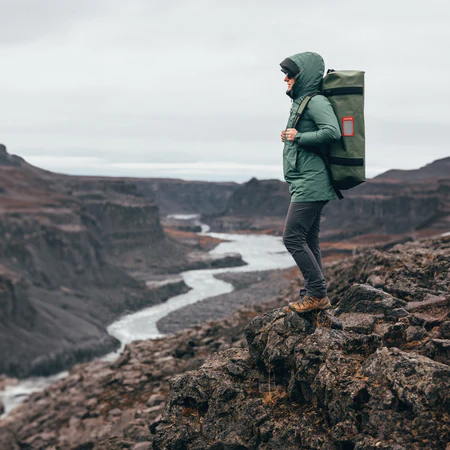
363, 298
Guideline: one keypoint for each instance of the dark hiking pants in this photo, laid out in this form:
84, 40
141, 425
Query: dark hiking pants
301, 238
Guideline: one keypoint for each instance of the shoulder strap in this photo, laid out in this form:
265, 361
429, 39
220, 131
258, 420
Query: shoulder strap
301, 108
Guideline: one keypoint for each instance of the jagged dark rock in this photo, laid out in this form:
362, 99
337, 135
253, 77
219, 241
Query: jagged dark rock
328, 389
362, 298
300, 385
294, 381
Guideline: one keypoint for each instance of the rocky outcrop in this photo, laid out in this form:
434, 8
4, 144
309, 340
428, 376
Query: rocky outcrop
301, 384
313, 393
8, 160
291, 381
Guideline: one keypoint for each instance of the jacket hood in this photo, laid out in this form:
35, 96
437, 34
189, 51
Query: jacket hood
312, 68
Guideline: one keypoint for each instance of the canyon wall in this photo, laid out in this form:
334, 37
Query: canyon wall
186, 197
395, 205
67, 255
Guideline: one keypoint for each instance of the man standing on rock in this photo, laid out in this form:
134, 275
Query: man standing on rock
307, 175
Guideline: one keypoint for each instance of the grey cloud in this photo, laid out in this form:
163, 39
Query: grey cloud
27, 20
148, 81
414, 131
169, 129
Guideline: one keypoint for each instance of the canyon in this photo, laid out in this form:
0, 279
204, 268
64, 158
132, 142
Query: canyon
75, 254
373, 374
77, 251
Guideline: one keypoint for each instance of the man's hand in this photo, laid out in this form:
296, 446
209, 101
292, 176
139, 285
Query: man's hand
288, 134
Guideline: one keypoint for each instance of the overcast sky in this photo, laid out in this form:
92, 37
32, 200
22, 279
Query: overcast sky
192, 89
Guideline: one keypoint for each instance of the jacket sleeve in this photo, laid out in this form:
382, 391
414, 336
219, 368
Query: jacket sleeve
321, 112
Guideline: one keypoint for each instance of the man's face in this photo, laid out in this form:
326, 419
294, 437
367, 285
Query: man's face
290, 81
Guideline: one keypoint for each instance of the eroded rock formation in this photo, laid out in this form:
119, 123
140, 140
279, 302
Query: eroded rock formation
74, 255
290, 381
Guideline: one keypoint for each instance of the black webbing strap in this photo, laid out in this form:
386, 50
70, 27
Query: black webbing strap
351, 90
338, 192
327, 165
346, 161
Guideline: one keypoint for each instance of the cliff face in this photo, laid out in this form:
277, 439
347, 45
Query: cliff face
65, 253
258, 198
376, 377
255, 205
405, 203
127, 223
172, 196
15, 309
390, 207
188, 197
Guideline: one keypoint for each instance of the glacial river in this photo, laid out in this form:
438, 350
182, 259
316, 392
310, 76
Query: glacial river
260, 252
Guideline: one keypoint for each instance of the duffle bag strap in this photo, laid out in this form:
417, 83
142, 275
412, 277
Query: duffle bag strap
327, 164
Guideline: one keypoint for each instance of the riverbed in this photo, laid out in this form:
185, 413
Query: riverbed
260, 252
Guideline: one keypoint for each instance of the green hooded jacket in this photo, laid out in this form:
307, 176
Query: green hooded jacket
304, 171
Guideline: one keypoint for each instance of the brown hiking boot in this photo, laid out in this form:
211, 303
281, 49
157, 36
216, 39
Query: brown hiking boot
310, 303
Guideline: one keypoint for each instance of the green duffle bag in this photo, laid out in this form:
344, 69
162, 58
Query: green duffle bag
345, 159
345, 91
